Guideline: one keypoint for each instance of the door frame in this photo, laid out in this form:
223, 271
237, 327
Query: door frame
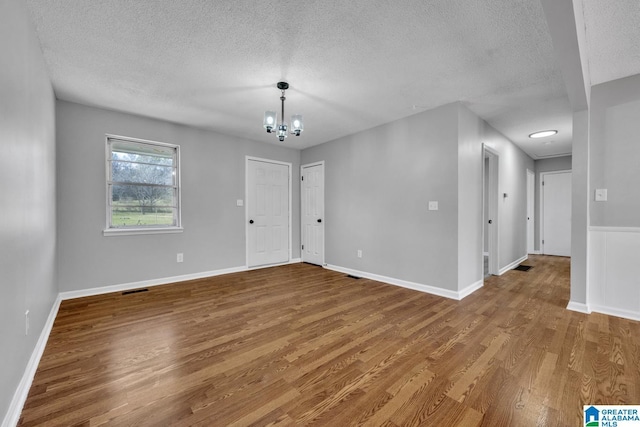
542, 176
531, 216
246, 207
493, 212
320, 163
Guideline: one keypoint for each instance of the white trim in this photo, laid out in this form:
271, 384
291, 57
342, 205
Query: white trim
535, 253
246, 198
611, 279
259, 267
308, 165
493, 209
513, 265
550, 156
133, 231
112, 231
20, 396
433, 290
531, 197
615, 229
163, 281
147, 283
618, 312
579, 307
465, 292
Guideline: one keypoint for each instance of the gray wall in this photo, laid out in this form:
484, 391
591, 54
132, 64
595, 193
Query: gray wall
471, 133
546, 165
614, 152
213, 178
377, 189
28, 188
512, 210
579, 206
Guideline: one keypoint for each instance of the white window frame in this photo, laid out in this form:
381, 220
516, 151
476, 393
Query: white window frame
125, 231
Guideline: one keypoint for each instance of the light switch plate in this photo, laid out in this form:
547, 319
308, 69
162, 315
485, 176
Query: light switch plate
601, 195
433, 205
239, 202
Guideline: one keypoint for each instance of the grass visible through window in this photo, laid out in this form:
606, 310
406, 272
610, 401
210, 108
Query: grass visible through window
126, 219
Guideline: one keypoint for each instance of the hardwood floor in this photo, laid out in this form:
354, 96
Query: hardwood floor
300, 345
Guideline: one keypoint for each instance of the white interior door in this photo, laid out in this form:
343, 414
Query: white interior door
267, 212
313, 213
556, 215
531, 189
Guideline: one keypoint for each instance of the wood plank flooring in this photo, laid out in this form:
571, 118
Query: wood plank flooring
300, 345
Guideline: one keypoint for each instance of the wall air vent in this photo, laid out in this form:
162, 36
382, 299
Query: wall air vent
135, 291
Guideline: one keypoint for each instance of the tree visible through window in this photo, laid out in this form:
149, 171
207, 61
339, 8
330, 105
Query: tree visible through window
142, 184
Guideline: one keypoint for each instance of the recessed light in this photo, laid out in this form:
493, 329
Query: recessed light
543, 133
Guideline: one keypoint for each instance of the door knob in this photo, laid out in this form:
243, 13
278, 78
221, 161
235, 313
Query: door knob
490, 222
250, 221
319, 220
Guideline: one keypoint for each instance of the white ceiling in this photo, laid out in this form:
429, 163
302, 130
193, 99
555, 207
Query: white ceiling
352, 65
612, 31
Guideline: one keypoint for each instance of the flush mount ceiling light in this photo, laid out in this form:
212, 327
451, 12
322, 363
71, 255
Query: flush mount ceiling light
543, 133
271, 119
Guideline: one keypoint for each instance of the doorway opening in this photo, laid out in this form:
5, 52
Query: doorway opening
531, 190
490, 216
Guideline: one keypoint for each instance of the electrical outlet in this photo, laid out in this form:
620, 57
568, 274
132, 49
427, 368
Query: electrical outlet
26, 322
601, 195
180, 257
359, 253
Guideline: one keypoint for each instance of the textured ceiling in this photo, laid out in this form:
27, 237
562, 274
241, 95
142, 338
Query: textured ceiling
612, 31
352, 65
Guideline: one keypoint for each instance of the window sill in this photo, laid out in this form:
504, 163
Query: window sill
110, 232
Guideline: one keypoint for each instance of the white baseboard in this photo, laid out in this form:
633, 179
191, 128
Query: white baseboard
20, 396
147, 283
163, 281
615, 229
470, 289
617, 312
434, 290
513, 265
291, 261
579, 307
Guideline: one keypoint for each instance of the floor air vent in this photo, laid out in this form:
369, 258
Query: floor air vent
523, 268
351, 276
135, 291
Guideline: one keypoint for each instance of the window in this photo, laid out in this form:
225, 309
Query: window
143, 186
